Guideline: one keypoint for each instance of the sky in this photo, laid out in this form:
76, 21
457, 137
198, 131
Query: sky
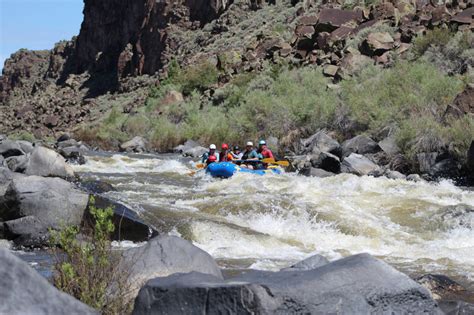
37, 24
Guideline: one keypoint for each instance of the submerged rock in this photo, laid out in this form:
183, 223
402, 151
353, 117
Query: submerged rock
163, 256
25, 291
359, 284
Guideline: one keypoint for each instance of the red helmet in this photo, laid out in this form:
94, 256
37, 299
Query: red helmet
211, 158
225, 146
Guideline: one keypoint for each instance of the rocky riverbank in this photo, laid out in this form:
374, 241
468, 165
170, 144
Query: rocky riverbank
40, 195
170, 275
39, 192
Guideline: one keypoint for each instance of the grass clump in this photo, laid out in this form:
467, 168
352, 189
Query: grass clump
23, 135
88, 269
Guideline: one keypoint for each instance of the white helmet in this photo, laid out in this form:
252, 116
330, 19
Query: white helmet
250, 143
212, 147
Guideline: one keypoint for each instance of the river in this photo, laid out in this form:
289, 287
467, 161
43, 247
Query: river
272, 221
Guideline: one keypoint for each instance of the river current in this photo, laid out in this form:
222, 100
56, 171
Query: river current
269, 222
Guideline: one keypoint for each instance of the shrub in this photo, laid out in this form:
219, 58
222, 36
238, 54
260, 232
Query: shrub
436, 37
23, 135
197, 77
165, 135
88, 269
455, 57
137, 125
377, 98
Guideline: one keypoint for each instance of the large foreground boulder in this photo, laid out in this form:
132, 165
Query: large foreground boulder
163, 256
25, 291
39, 203
46, 162
359, 284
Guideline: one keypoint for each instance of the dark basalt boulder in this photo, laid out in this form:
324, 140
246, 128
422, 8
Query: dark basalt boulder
46, 162
309, 263
48, 202
331, 19
452, 297
137, 144
325, 161
10, 148
96, 186
316, 172
17, 163
190, 148
359, 284
25, 291
470, 158
26, 146
128, 225
361, 145
322, 142
162, 256
358, 164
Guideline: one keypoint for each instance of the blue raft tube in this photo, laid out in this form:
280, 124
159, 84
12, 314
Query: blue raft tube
227, 169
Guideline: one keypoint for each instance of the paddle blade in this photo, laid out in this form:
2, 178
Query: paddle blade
200, 165
272, 161
283, 163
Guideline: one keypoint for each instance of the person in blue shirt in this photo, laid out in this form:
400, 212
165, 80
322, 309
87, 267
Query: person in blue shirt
212, 151
249, 154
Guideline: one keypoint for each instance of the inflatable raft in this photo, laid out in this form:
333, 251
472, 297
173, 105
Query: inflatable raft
227, 169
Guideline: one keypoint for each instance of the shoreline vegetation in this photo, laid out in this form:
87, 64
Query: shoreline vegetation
408, 100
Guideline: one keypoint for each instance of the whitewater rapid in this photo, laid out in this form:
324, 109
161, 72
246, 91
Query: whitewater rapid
269, 222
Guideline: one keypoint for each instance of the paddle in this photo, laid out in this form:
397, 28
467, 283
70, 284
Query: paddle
272, 161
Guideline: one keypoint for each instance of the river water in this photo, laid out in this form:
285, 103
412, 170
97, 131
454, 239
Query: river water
272, 221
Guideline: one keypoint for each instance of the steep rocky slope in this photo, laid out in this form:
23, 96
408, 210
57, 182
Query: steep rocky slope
124, 47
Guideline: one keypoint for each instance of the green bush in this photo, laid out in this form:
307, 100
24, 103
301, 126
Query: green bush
23, 135
137, 125
454, 57
88, 269
165, 135
198, 77
378, 98
436, 37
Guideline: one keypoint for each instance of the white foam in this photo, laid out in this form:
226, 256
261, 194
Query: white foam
272, 219
118, 163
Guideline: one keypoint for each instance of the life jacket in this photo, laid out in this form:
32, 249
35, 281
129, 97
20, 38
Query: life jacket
246, 154
267, 154
225, 156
